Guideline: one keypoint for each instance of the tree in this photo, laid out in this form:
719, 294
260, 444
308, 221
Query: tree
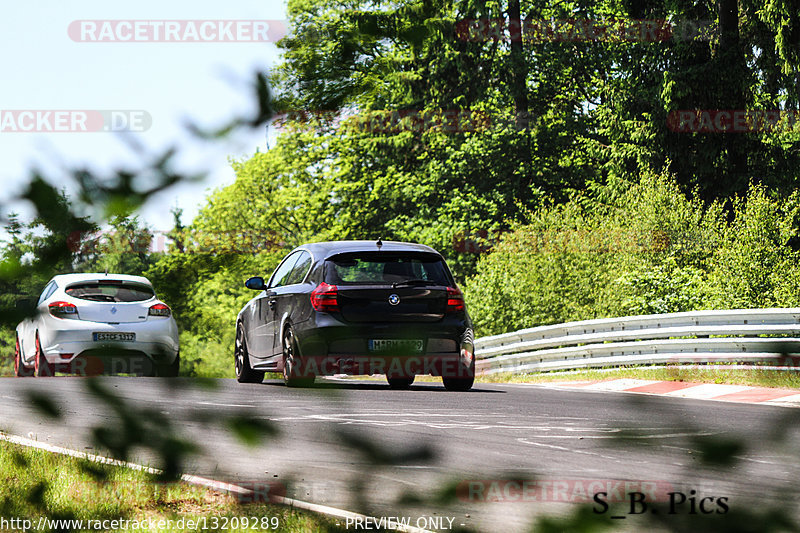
124, 248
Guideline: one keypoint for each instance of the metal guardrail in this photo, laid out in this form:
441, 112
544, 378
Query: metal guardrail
733, 336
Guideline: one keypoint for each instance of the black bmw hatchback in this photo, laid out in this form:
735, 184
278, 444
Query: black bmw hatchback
357, 307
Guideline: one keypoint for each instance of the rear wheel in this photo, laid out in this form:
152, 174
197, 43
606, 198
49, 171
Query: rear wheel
171, 370
244, 373
291, 363
400, 383
462, 380
19, 367
41, 368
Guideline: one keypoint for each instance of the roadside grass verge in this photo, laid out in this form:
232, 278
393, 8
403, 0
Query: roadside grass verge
36, 483
719, 374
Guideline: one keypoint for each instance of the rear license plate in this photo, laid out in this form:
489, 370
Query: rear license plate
395, 345
124, 337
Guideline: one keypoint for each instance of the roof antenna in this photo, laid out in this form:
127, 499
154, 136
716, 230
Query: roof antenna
379, 244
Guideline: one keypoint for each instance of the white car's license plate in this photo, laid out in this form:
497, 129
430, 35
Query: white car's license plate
114, 336
392, 345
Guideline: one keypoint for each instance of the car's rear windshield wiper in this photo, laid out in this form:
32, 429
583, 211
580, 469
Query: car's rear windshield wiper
98, 297
413, 282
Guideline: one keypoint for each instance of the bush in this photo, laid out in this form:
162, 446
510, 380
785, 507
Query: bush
755, 266
207, 292
654, 249
7, 351
206, 358
544, 272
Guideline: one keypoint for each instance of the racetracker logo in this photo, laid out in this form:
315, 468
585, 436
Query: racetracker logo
559, 490
177, 31
393, 122
404, 365
242, 491
105, 364
477, 242
584, 30
73, 121
733, 121
187, 241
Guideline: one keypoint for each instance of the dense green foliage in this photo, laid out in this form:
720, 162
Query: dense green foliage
400, 126
397, 122
206, 291
654, 250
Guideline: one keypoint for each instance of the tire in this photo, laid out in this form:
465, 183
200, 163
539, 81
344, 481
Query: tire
171, 370
461, 384
244, 372
400, 383
290, 363
19, 367
41, 368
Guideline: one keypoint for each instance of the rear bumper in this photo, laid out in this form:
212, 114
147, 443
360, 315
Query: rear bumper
72, 348
328, 346
449, 365
94, 362
326, 334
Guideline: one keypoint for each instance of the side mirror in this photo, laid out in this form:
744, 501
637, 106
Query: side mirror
256, 284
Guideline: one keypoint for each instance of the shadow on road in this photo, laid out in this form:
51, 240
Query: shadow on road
383, 386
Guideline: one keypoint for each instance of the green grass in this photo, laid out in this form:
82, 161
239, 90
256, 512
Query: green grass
758, 377
36, 483
206, 358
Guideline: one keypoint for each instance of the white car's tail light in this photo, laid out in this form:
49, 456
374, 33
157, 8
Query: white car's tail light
63, 310
159, 309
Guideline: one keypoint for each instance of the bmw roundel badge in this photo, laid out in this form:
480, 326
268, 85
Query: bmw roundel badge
394, 299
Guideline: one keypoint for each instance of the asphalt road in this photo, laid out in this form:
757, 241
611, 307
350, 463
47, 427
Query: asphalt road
337, 442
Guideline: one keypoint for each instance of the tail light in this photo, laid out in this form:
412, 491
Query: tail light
159, 309
63, 310
325, 298
455, 300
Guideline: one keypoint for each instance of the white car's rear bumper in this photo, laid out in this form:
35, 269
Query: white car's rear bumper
65, 340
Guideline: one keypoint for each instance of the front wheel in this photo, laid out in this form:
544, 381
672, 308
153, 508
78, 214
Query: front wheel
244, 373
19, 367
291, 363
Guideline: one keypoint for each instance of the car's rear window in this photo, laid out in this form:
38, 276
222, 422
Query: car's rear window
385, 268
110, 291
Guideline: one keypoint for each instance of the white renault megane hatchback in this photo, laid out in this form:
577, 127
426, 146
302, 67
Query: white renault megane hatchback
98, 324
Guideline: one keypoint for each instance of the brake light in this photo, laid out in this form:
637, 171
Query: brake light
325, 298
63, 310
159, 309
455, 300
